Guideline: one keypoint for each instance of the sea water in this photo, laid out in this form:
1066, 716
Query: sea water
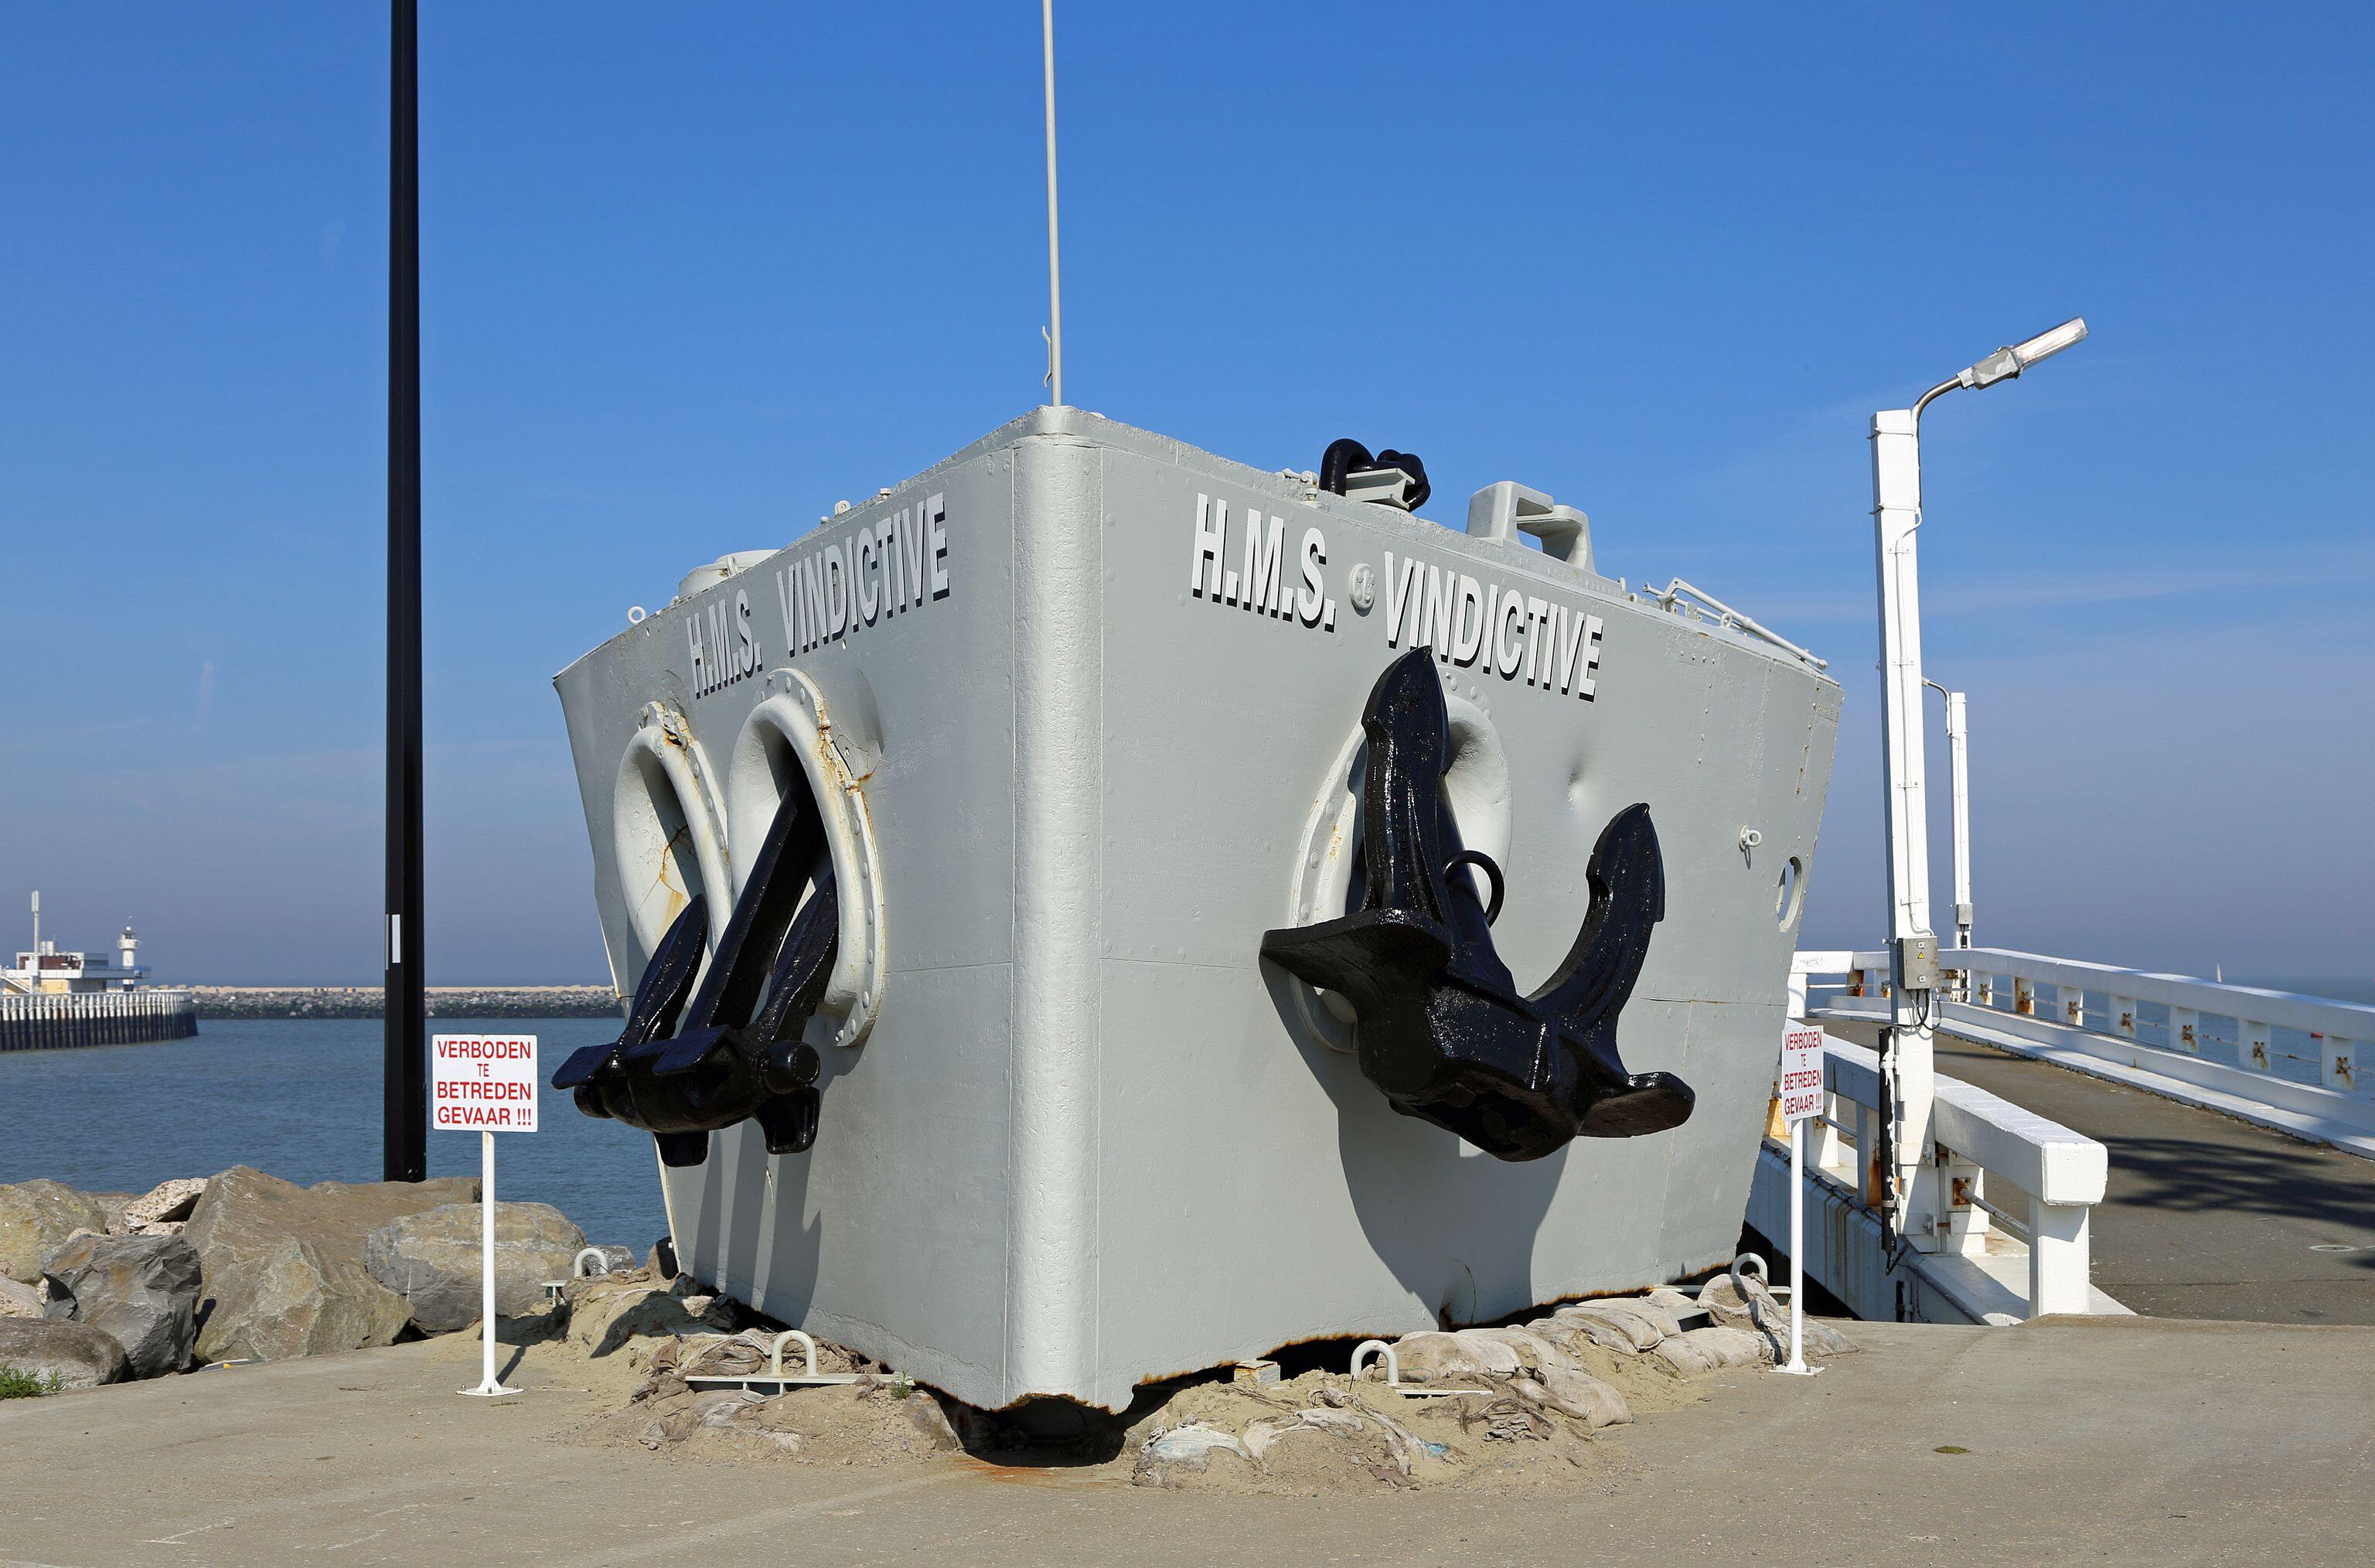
302, 1100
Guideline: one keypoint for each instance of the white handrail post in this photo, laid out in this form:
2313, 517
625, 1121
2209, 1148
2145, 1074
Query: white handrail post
1826, 1133
2185, 1031
2057, 1261
2250, 1044
1870, 1188
2340, 1065
1965, 1223
1897, 516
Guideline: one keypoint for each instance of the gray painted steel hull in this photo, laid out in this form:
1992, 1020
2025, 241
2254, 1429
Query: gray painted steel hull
1089, 1137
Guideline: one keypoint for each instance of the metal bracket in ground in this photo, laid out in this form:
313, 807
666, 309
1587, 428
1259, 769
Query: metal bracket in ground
1393, 1364
1740, 1277
776, 1375
577, 1270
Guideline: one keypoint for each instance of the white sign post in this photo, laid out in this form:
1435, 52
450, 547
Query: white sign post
486, 1084
1801, 1099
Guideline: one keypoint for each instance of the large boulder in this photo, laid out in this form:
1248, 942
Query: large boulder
1434, 1357
292, 1300
140, 1290
874, 1420
1534, 1351
1171, 1457
609, 1312
1572, 1329
75, 1354
1703, 1350
1639, 1327
164, 1204
113, 1204
1576, 1394
433, 1260
1738, 1300
35, 1217
1743, 1301
283, 1264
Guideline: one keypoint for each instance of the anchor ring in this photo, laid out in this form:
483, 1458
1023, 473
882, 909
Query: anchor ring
1492, 870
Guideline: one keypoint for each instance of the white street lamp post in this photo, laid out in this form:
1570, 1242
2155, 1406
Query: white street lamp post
1959, 761
1915, 1203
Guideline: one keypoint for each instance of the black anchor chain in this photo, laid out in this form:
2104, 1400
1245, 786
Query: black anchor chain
1443, 1031
681, 1071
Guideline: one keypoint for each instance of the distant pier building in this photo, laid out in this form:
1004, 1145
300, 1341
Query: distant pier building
52, 1001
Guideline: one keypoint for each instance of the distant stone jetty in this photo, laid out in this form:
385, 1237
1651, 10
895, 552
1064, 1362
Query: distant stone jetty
366, 1001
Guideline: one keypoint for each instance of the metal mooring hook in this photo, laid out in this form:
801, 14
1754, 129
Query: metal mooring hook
1443, 1030
681, 1071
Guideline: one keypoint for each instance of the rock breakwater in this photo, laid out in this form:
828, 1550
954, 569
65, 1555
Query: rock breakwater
100, 1286
368, 1001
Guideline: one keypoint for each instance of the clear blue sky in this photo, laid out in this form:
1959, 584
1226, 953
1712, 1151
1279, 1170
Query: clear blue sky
692, 272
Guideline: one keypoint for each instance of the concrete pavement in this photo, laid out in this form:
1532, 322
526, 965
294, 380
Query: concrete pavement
2103, 1441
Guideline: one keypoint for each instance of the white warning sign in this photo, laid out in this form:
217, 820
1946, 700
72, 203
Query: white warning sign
1801, 1072
482, 1082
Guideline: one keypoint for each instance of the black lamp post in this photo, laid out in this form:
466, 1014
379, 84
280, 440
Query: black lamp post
405, 1136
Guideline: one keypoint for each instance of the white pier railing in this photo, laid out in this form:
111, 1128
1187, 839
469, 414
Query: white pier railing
2286, 1061
2014, 1242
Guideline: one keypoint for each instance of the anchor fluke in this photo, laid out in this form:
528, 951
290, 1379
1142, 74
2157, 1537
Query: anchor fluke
684, 1068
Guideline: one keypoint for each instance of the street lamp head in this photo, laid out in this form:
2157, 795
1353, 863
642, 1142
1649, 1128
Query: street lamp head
2005, 363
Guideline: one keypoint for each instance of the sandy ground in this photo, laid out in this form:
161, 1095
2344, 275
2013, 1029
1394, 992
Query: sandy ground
1320, 1432
2102, 1440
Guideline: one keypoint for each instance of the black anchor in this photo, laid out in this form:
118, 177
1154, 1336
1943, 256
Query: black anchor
1442, 1028
1346, 457
680, 1072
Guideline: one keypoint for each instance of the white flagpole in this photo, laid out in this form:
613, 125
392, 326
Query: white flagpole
1055, 275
